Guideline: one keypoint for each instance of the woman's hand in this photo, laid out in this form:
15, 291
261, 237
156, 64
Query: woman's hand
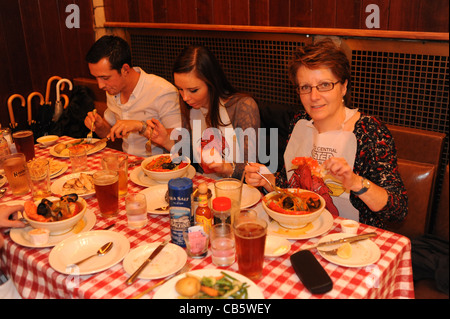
223, 168
253, 178
339, 169
159, 134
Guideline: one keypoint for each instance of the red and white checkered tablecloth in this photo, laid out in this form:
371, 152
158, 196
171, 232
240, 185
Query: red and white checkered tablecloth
390, 277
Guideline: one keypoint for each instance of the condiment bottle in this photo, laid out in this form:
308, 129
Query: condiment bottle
203, 213
221, 210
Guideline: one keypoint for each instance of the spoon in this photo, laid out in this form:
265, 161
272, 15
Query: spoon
103, 250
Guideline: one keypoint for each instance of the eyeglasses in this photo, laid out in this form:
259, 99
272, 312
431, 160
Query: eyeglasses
322, 87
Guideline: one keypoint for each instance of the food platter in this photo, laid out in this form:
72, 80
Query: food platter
89, 152
167, 291
57, 187
156, 198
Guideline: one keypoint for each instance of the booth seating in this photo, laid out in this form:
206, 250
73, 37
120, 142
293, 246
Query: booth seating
419, 155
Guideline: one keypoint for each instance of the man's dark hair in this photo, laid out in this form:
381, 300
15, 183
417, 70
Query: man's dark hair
112, 47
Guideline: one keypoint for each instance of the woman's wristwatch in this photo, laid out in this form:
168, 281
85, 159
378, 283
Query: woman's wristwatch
365, 185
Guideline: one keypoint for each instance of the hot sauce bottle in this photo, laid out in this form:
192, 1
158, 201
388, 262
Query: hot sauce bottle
203, 214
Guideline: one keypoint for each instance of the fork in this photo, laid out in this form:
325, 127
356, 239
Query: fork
275, 187
186, 268
90, 134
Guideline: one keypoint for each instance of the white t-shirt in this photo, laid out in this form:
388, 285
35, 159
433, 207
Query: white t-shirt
153, 97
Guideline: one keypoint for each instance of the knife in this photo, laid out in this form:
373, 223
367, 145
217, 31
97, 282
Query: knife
342, 240
133, 277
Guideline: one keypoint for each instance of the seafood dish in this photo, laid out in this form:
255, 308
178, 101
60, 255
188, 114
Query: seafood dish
52, 211
301, 203
164, 163
79, 185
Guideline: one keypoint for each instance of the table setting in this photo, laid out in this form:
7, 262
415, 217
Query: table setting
377, 267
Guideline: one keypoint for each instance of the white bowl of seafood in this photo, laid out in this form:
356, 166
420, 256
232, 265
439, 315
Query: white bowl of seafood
58, 215
163, 168
294, 209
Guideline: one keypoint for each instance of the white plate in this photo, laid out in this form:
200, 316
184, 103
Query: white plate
20, 235
276, 246
138, 177
317, 228
364, 252
83, 245
156, 197
171, 259
57, 186
167, 291
91, 151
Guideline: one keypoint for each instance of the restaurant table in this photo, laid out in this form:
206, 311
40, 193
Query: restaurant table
30, 270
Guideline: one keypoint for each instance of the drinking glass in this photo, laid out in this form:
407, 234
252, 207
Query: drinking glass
78, 158
39, 169
136, 207
119, 163
231, 188
222, 245
106, 185
250, 235
17, 174
24, 141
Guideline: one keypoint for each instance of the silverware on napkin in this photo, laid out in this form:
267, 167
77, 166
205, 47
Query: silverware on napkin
342, 240
134, 276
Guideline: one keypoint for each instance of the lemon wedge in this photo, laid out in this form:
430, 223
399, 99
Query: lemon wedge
345, 251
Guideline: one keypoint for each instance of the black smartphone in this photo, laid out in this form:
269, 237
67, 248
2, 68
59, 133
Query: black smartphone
311, 272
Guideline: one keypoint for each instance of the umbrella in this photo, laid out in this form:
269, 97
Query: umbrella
13, 123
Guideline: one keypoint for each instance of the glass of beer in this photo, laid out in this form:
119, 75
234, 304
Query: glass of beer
250, 236
17, 173
106, 185
24, 143
231, 188
119, 163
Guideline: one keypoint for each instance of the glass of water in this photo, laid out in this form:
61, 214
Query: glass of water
136, 207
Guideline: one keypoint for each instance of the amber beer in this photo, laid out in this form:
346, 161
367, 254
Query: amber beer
16, 172
24, 141
107, 191
119, 163
250, 240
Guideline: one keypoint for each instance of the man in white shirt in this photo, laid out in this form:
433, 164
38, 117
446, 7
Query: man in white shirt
133, 97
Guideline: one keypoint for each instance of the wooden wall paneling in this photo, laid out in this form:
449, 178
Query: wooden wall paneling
86, 36
301, 13
259, 12
240, 12
159, 11
145, 10
174, 8
348, 14
189, 12
323, 13
116, 10
433, 16
221, 12
35, 43
403, 15
204, 12
279, 13
133, 11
